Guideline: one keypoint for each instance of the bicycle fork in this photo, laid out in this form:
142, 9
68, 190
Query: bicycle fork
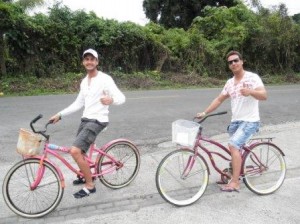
189, 165
34, 177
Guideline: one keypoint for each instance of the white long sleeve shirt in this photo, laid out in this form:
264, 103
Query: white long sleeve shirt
89, 97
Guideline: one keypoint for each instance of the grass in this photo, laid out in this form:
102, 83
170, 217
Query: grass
69, 83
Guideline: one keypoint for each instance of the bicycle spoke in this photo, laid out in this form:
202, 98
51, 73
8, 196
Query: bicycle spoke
264, 169
181, 179
190, 174
126, 156
123, 173
26, 202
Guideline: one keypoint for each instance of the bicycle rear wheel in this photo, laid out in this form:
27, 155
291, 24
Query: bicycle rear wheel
264, 169
182, 177
128, 157
27, 202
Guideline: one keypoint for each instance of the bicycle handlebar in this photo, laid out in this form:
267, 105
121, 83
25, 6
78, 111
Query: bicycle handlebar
210, 115
40, 132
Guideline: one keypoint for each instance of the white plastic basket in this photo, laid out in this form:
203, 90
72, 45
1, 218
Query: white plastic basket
184, 132
28, 143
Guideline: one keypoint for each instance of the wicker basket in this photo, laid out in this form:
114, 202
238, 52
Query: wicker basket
28, 143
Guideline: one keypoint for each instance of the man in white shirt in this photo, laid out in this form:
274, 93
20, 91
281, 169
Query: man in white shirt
245, 89
97, 91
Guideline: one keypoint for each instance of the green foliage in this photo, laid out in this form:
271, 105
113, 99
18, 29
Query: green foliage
228, 28
6, 16
296, 18
268, 39
48, 47
29, 4
31, 85
278, 41
176, 13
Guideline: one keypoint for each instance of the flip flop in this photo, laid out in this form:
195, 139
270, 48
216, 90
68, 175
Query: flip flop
84, 192
229, 189
220, 182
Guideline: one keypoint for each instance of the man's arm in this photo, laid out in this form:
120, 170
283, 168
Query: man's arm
75, 106
214, 105
117, 97
259, 93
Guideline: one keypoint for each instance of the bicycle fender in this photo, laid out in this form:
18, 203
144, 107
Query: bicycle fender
109, 144
104, 147
270, 143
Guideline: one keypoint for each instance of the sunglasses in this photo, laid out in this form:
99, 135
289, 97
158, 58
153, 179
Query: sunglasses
234, 60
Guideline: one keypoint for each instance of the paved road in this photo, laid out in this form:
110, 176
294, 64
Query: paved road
148, 123
145, 118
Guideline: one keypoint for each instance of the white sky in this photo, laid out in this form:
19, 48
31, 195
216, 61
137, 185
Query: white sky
132, 10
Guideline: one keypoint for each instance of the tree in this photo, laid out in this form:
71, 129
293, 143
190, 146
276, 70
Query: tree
268, 38
179, 13
296, 18
9, 13
278, 40
29, 4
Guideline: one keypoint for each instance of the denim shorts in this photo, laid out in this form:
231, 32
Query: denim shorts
87, 133
241, 131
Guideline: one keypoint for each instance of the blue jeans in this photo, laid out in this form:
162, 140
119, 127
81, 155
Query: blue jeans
241, 131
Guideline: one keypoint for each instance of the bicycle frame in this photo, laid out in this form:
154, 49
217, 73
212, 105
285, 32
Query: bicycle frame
66, 150
200, 139
210, 153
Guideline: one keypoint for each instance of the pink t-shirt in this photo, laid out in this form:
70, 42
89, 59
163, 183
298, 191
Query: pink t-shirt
244, 108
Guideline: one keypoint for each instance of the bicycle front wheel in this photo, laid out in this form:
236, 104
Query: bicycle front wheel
122, 171
28, 202
264, 169
182, 177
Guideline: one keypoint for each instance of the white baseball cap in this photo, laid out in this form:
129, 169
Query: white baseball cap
90, 51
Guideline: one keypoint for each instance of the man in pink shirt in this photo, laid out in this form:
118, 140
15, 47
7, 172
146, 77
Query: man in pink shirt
97, 91
245, 89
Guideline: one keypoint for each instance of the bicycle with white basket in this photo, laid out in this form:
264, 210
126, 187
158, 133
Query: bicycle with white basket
183, 175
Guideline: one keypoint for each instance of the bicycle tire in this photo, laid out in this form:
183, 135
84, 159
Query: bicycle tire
32, 203
129, 156
177, 190
264, 169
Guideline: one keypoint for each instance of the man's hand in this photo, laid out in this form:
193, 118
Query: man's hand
106, 99
245, 91
55, 118
200, 115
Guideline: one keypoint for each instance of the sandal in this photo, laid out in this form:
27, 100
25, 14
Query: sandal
228, 188
84, 192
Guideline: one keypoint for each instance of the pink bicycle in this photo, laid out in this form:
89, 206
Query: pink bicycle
34, 186
183, 175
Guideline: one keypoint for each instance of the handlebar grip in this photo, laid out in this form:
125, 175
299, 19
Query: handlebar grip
210, 115
37, 118
34, 120
220, 113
